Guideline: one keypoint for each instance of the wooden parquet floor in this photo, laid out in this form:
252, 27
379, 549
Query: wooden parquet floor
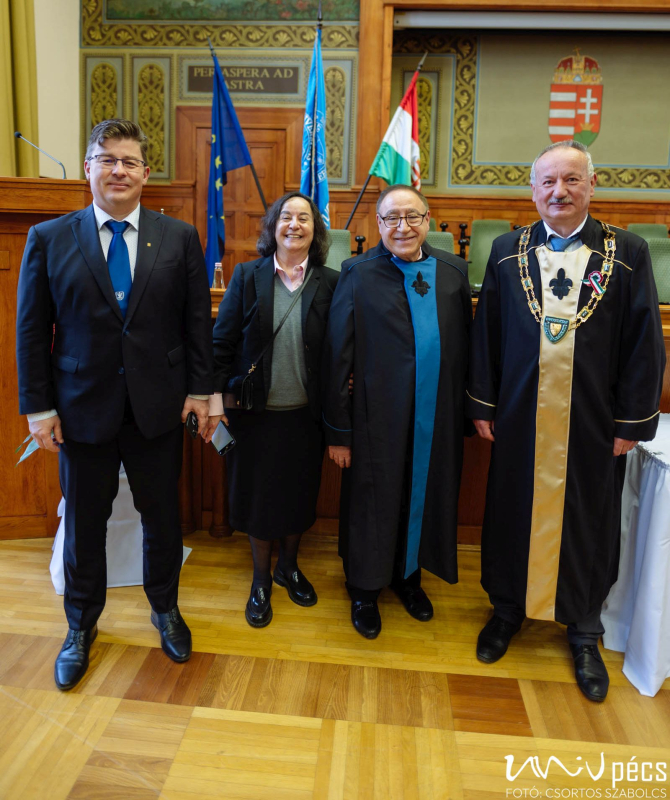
306, 709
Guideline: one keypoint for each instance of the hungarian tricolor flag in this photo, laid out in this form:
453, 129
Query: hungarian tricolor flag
398, 158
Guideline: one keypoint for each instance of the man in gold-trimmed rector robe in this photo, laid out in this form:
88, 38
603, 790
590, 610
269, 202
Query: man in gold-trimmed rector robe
566, 372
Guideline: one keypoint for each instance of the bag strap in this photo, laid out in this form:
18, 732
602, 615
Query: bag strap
283, 320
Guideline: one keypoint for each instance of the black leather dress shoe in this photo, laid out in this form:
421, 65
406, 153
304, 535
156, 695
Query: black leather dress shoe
175, 634
366, 618
72, 661
300, 590
259, 611
494, 639
415, 601
590, 672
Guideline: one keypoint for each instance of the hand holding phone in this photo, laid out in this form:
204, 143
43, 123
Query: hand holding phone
222, 440
192, 424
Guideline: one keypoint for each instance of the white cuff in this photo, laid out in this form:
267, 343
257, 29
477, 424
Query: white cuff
199, 396
39, 415
216, 405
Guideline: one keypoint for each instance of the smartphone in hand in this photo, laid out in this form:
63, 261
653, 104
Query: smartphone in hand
192, 424
222, 440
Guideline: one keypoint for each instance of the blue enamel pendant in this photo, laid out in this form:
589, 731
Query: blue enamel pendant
555, 328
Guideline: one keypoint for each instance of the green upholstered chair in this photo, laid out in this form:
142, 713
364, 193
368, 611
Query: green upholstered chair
649, 230
482, 234
659, 250
440, 240
432, 225
340, 249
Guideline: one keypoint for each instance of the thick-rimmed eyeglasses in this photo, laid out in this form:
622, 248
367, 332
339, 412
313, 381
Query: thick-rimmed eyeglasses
413, 219
108, 162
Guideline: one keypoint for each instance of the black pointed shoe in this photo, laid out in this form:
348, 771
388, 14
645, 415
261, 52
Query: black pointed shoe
494, 639
258, 612
590, 671
300, 590
366, 618
175, 634
72, 661
415, 600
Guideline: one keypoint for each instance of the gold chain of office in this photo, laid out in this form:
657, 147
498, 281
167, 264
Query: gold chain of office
590, 307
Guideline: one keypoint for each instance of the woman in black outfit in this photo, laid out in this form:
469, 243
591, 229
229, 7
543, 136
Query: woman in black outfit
274, 471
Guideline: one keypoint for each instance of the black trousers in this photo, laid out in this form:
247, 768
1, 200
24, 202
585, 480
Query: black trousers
89, 476
583, 631
413, 580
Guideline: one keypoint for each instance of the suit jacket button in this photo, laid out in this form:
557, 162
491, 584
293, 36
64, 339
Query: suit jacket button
121, 370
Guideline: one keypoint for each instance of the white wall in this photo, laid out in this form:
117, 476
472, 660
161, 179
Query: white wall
57, 24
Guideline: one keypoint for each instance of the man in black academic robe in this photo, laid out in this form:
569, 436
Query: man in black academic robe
566, 370
399, 322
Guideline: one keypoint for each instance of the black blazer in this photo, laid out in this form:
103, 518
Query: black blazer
244, 326
161, 351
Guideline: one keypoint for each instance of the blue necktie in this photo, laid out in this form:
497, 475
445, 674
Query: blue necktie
559, 245
118, 263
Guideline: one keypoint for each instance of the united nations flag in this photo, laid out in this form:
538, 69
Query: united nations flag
229, 151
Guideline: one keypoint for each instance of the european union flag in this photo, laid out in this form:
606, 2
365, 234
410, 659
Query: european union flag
313, 175
229, 151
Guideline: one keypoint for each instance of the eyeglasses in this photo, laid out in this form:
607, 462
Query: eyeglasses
109, 162
413, 219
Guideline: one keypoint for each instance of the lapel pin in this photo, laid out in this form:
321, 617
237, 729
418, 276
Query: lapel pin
148, 244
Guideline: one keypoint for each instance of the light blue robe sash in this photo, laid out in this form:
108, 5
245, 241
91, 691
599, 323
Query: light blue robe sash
423, 308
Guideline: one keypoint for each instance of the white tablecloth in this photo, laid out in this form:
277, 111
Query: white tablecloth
124, 543
636, 614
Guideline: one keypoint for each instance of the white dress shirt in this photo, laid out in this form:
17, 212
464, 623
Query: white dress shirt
573, 245
131, 234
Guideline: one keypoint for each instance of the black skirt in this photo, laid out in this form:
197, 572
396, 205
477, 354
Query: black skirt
274, 472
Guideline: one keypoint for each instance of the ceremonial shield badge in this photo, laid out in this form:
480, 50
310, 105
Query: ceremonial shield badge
576, 100
555, 328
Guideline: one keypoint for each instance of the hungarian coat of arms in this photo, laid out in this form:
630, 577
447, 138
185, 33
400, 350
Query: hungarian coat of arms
576, 100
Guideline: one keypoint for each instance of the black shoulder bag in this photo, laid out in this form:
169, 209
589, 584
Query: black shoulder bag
240, 392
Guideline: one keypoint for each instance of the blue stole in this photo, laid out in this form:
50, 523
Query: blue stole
420, 279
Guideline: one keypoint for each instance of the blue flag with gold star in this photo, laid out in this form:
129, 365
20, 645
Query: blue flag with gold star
229, 151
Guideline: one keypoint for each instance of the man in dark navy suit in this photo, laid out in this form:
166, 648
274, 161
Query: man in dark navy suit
114, 349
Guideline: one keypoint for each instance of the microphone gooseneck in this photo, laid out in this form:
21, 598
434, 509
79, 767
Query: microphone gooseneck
19, 135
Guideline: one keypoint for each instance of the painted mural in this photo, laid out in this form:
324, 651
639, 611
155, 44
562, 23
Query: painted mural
230, 10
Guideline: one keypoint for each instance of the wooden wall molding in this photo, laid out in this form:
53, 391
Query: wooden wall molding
376, 45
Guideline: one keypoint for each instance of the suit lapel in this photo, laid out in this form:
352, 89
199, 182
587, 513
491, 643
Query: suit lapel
264, 282
307, 296
148, 245
85, 230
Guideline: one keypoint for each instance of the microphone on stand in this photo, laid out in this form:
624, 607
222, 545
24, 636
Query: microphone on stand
20, 136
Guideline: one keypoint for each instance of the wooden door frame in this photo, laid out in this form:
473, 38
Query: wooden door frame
376, 52
190, 118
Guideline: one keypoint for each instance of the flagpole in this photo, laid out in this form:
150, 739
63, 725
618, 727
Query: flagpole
319, 26
253, 169
367, 180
